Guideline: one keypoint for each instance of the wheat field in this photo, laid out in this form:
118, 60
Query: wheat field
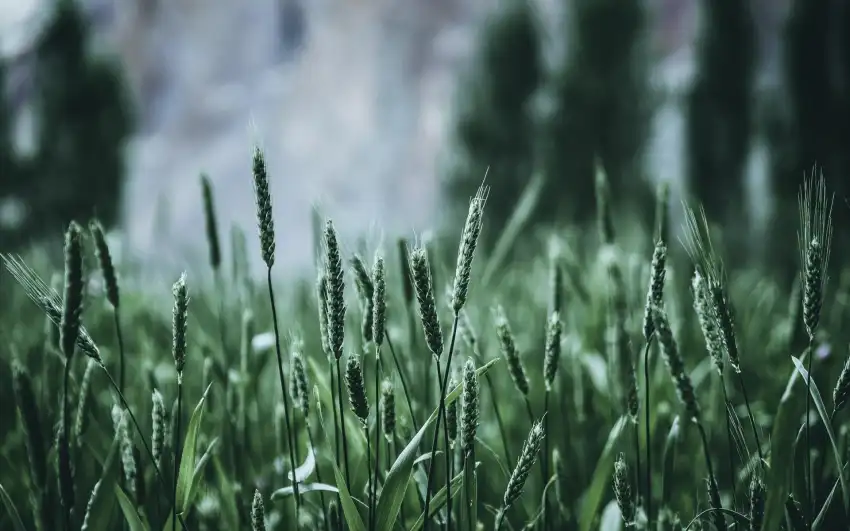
545, 383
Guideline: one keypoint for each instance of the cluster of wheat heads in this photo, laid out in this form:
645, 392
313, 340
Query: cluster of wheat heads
559, 394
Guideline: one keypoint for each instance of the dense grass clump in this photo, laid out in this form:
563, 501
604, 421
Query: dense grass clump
569, 389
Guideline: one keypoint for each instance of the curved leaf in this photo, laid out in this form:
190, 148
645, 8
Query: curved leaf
12, 510
601, 476
186, 475
130, 514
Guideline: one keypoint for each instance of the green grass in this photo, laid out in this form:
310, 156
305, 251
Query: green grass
233, 432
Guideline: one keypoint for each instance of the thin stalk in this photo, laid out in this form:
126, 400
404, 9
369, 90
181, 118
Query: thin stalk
545, 460
471, 524
66, 434
336, 422
502, 433
646, 413
441, 413
810, 488
637, 461
528, 410
403, 382
369, 473
729, 443
752, 418
374, 492
342, 422
285, 391
318, 469
175, 444
705, 452
145, 444
120, 336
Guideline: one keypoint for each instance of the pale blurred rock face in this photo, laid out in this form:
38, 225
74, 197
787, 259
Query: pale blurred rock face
353, 121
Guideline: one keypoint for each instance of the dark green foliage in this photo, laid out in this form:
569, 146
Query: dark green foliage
84, 122
600, 107
719, 106
494, 128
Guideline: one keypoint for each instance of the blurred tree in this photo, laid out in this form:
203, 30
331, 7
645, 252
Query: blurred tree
718, 107
494, 127
600, 106
83, 121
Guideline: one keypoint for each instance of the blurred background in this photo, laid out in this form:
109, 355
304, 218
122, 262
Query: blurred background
385, 114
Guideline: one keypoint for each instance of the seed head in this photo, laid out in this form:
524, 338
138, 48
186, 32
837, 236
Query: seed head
470, 403
509, 350
210, 222
379, 301
82, 401
723, 311
466, 252
120, 419
420, 271
356, 388
322, 303
388, 420
263, 198
451, 414
104, 258
623, 491
158, 423
298, 386
670, 353
841, 392
523, 466
64, 465
757, 498
366, 291
708, 322
335, 291
815, 239
258, 512
714, 501
655, 293
179, 320
72, 308
553, 349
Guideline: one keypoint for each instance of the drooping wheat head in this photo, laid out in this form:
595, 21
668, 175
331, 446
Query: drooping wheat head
104, 258
210, 223
623, 491
552, 351
509, 350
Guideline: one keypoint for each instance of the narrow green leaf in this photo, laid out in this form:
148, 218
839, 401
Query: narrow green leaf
601, 476
187, 456
303, 488
398, 478
824, 417
229, 509
782, 439
99, 514
12, 510
439, 501
197, 475
130, 514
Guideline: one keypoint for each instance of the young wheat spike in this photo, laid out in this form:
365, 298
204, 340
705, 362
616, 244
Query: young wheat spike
322, 304
623, 491
841, 393
104, 258
158, 426
379, 300
179, 321
210, 222
509, 350
470, 407
655, 293
335, 291
356, 388
366, 291
264, 207
258, 512
714, 501
421, 273
299, 388
552, 351
757, 499
707, 318
82, 401
72, 308
815, 238
526, 461
388, 419
49, 300
451, 414
95, 494
468, 243
670, 353
122, 434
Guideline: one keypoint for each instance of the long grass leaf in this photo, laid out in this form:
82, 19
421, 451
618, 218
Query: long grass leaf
134, 521
12, 510
601, 476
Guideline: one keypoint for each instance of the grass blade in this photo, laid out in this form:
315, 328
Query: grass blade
439, 501
782, 437
12, 510
99, 514
824, 417
285, 492
130, 514
601, 476
469, 496
187, 457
